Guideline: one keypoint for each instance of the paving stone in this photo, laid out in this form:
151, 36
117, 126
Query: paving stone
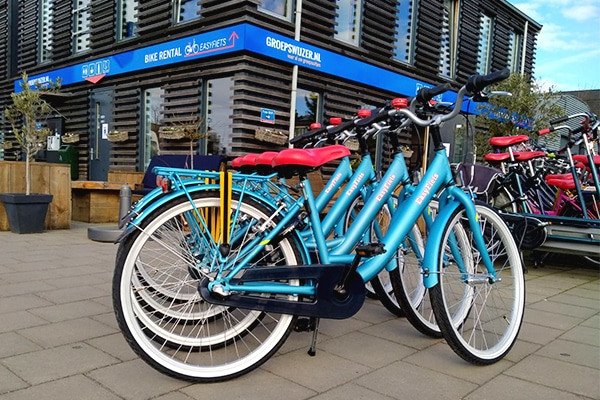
319, 373
505, 387
72, 388
11, 344
18, 320
403, 380
442, 358
56, 363
366, 349
78, 309
551, 319
351, 391
71, 294
583, 334
65, 332
135, 380
557, 374
22, 302
10, 381
257, 385
555, 307
572, 352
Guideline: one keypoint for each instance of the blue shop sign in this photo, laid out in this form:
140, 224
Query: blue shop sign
241, 37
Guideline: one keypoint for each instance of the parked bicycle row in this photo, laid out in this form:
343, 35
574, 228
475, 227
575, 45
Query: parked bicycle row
215, 269
557, 192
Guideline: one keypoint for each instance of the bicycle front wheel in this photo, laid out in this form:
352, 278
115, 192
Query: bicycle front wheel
159, 308
487, 330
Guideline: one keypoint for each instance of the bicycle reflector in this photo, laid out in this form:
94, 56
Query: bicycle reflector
335, 121
315, 125
400, 102
364, 113
163, 183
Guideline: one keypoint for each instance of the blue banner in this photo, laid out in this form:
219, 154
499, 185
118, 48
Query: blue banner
236, 38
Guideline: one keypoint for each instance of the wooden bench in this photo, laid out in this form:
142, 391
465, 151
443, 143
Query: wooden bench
96, 201
99, 201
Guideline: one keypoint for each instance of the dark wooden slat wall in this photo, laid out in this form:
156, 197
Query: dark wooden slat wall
257, 82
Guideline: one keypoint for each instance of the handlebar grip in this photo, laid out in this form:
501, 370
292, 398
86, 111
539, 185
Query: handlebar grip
382, 114
340, 128
425, 94
545, 131
558, 120
477, 83
307, 135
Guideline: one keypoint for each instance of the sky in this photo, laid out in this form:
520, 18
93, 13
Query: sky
568, 46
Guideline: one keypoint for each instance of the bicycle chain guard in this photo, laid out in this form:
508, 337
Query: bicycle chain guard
325, 304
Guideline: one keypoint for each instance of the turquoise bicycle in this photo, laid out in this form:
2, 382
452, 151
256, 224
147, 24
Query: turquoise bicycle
224, 300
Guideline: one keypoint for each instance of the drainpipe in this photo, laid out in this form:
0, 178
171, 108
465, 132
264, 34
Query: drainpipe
295, 72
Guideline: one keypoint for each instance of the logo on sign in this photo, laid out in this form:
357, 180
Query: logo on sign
95, 70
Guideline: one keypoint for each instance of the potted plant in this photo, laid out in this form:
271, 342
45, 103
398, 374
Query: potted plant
26, 212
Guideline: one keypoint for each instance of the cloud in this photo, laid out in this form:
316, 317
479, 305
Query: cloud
582, 12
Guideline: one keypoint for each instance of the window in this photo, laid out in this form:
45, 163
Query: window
404, 40
219, 113
348, 21
515, 51
81, 25
126, 23
153, 111
186, 10
307, 110
45, 44
449, 42
278, 7
484, 51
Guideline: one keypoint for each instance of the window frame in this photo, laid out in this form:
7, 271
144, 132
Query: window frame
410, 49
515, 51
86, 11
177, 4
288, 14
46, 35
450, 50
484, 50
122, 13
358, 21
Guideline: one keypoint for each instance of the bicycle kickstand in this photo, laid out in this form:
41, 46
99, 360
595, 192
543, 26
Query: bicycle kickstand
312, 351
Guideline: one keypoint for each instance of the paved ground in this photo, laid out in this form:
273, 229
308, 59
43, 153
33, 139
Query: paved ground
59, 340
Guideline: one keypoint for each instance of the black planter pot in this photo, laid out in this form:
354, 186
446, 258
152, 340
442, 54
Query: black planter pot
26, 213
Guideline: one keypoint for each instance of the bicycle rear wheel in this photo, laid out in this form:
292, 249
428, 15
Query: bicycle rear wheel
156, 300
495, 310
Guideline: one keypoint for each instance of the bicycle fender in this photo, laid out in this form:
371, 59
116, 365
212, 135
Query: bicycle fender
433, 245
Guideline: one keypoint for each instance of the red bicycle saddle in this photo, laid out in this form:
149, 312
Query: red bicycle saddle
584, 159
496, 157
505, 141
265, 158
565, 184
528, 155
311, 158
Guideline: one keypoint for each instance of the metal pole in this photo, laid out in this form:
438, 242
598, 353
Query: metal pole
298, 21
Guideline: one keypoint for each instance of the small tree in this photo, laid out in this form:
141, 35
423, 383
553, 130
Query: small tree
29, 109
528, 110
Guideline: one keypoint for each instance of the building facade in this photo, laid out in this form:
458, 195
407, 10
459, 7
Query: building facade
235, 67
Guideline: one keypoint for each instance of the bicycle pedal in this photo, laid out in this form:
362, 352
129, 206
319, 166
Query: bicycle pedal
370, 249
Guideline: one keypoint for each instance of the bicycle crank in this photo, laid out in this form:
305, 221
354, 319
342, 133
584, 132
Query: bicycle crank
326, 303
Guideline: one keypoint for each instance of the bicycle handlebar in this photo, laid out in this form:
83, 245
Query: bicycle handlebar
476, 83
426, 94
